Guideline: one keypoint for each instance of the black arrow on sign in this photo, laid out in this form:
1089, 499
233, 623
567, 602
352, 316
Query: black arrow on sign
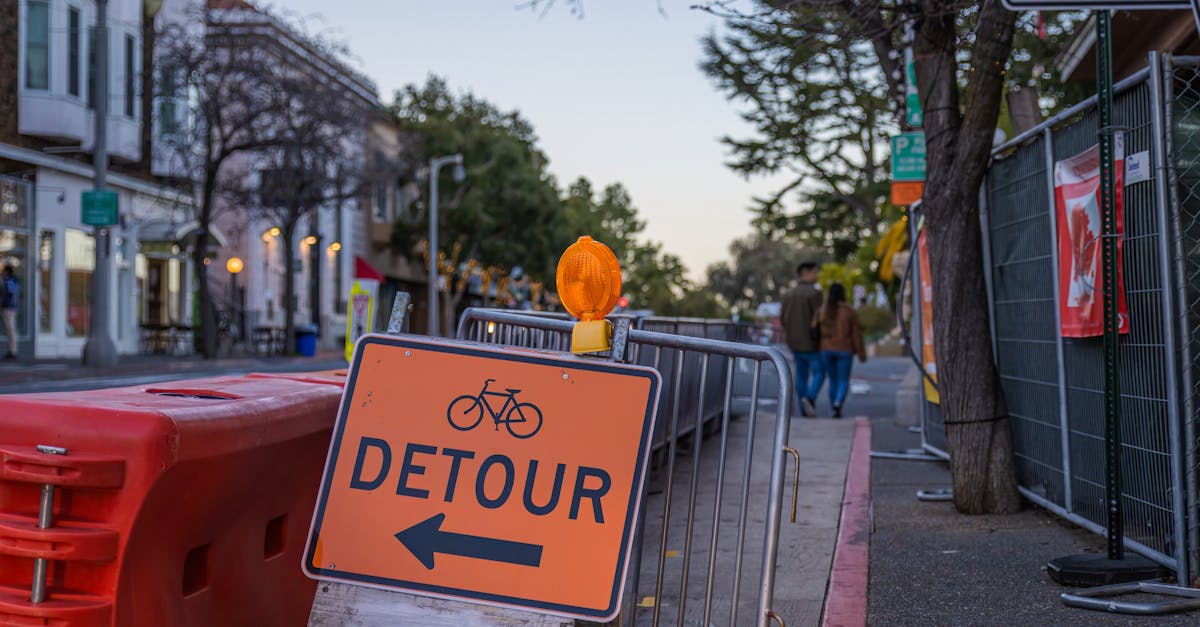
426, 538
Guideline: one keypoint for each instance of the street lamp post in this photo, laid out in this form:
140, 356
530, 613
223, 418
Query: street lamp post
459, 175
234, 265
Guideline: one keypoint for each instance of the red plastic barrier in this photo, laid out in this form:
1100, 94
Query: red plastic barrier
329, 377
179, 504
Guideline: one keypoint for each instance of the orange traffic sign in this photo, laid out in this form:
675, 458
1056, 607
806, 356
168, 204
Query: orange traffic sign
905, 193
504, 476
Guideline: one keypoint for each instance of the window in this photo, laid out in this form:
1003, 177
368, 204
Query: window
13, 247
130, 74
169, 88
46, 284
73, 51
380, 203
37, 44
81, 251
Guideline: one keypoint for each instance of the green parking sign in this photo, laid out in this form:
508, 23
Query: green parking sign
912, 99
908, 157
99, 207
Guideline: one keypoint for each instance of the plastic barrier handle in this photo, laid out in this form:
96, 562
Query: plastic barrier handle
27, 465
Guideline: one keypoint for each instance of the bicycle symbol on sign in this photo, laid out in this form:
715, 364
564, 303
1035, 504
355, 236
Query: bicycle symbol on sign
522, 420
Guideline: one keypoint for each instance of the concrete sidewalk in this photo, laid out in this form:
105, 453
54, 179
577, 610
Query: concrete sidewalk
930, 565
806, 547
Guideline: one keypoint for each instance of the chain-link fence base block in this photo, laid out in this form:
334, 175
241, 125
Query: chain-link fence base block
1095, 569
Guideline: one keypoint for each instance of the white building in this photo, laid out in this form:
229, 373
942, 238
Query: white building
46, 139
326, 244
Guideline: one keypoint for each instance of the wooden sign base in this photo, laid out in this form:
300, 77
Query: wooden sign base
343, 605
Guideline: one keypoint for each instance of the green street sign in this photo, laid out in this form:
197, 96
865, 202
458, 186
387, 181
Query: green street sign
99, 207
908, 157
912, 99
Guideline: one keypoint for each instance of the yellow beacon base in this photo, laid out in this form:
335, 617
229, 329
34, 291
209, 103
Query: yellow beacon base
591, 336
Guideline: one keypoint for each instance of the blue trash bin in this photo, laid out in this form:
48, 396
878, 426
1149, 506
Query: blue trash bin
306, 340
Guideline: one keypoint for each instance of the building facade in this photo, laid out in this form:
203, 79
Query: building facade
328, 239
47, 93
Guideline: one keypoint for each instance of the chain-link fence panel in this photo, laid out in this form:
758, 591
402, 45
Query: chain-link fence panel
1145, 413
1183, 121
1025, 314
1055, 385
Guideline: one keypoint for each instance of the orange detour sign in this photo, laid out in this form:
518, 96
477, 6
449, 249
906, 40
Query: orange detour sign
496, 475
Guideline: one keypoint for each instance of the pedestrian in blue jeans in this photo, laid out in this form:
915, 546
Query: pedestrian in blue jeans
841, 340
797, 312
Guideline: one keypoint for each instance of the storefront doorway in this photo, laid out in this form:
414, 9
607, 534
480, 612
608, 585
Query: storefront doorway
16, 217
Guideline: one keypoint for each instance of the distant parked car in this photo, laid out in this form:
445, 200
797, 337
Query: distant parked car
767, 328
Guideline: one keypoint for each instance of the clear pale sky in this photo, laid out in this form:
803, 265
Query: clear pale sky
614, 96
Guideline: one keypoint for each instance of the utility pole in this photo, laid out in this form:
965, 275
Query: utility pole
100, 349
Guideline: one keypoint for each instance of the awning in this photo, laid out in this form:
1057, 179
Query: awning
364, 270
181, 232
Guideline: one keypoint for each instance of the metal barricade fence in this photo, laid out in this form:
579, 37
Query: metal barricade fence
1055, 385
729, 493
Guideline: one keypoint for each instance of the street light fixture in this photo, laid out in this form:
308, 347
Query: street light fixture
459, 174
234, 265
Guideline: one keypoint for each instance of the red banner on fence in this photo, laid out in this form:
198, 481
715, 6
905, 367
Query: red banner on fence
1077, 203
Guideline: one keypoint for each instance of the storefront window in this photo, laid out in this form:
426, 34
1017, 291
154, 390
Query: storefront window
175, 291
81, 261
46, 283
139, 270
12, 253
159, 270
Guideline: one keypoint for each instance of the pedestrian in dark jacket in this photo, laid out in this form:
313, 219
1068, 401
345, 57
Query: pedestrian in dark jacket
841, 340
797, 311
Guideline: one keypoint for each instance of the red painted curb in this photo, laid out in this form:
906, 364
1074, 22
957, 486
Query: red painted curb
846, 599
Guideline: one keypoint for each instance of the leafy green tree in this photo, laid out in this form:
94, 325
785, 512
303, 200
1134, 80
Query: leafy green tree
967, 53
1032, 67
654, 279
820, 113
610, 217
651, 278
962, 51
700, 302
507, 212
762, 268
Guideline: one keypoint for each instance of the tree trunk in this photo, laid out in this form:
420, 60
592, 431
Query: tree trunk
958, 145
976, 417
289, 288
208, 326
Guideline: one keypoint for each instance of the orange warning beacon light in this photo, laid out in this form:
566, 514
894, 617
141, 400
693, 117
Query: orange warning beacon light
589, 284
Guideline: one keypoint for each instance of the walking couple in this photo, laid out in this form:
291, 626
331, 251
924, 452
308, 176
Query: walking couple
824, 335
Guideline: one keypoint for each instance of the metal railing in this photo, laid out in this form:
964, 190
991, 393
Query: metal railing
717, 493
